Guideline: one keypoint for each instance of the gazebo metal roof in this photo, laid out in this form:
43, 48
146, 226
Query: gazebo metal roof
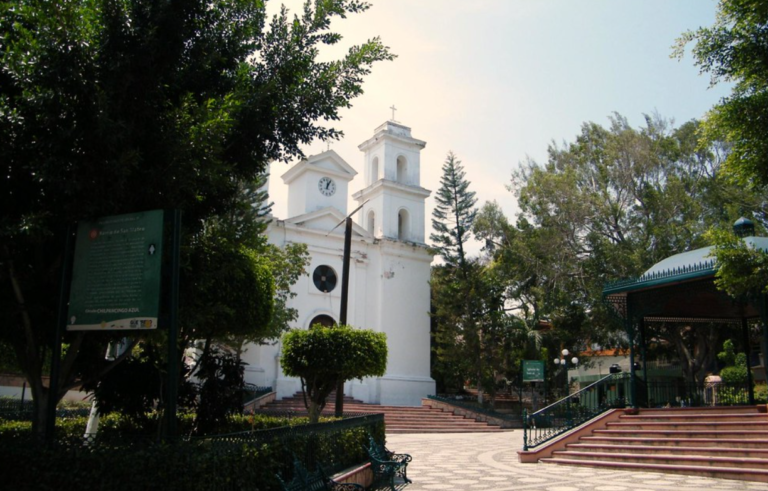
681, 288
682, 267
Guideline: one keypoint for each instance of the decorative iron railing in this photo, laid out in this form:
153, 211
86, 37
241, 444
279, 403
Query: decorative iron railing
16, 410
251, 392
312, 443
574, 410
657, 393
473, 405
244, 460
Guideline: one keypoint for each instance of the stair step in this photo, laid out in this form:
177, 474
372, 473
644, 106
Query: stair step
693, 425
702, 442
644, 416
704, 410
757, 475
668, 458
718, 450
753, 434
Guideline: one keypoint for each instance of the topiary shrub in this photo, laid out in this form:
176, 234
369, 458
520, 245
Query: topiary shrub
323, 356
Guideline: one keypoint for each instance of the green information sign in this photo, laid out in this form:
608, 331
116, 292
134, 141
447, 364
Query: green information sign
533, 371
116, 273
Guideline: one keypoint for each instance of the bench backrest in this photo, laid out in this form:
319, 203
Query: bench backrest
377, 450
303, 480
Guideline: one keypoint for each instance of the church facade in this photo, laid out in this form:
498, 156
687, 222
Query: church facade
389, 266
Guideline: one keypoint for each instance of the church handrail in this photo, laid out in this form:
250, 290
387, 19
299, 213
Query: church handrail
477, 408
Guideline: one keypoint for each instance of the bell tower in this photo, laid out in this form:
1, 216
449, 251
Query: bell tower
395, 200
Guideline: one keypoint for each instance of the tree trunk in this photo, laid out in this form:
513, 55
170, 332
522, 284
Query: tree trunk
40, 408
314, 412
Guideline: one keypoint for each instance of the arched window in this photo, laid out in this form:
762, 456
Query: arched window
402, 169
403, 225
374, 170
372, 222
323, 320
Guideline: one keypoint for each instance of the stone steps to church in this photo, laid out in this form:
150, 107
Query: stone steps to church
398, 419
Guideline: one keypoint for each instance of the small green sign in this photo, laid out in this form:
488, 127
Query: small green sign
533, 371
117, 272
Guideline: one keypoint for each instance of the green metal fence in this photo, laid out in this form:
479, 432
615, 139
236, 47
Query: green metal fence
674, 392
238, 461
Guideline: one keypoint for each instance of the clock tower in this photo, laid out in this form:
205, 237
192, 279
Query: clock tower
318, 182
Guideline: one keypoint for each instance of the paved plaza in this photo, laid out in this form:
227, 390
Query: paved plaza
488, 461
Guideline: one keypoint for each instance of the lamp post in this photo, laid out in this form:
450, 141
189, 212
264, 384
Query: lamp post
563, 362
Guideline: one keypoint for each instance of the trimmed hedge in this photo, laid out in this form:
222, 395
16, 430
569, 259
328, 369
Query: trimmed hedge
116, 461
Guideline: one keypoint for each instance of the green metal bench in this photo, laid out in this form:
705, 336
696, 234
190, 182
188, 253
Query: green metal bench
303, 480
389, 468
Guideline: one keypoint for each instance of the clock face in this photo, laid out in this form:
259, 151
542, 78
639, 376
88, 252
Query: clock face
327, 186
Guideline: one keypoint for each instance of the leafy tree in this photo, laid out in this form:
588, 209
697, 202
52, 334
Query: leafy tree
221, 390
735, 49
134, 387
741, 269
606, 207
108, 107
735, 370
324, 356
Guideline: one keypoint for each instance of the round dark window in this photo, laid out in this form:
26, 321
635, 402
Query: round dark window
324, 278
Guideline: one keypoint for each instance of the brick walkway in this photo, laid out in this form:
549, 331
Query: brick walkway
488, 461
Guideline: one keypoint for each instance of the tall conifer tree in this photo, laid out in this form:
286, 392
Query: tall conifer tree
457, 335
454, 214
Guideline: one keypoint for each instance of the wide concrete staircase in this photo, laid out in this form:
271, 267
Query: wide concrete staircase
727, 442
398, 419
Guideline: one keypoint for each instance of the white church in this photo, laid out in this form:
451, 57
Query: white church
389, 267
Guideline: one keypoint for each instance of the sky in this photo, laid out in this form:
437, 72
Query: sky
498, 81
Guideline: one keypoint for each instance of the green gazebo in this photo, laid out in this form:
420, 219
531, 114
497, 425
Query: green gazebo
681, 289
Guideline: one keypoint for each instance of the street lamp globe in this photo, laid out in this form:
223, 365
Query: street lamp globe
575, 360
565, 353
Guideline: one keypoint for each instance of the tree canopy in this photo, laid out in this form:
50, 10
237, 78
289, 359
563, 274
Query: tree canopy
111, 106
735, 49
604, 207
